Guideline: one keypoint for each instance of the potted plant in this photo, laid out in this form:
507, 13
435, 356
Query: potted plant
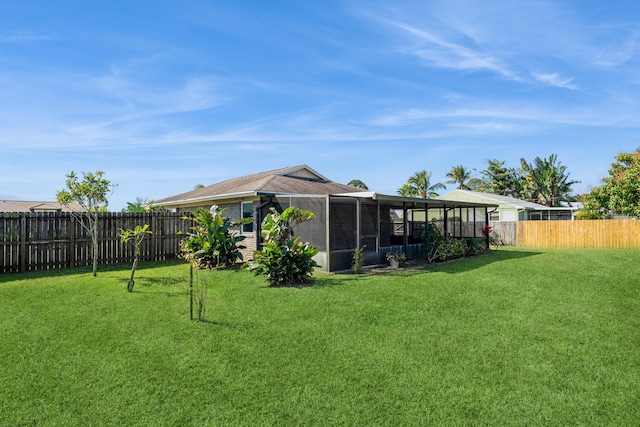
395, 259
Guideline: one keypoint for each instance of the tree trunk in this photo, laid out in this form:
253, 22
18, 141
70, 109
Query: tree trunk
95, 258
133, 271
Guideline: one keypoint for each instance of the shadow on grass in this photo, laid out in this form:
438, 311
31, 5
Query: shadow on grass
120, 267
471, 263
157, 285
230, 325
148, 281
460, 265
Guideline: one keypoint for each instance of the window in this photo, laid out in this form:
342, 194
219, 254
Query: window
247, 212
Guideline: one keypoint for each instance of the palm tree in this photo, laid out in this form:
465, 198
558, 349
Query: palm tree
546, 182
358, 184
461, 176
406, 191
419, 185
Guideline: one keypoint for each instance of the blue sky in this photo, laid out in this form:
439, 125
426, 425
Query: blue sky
164, 95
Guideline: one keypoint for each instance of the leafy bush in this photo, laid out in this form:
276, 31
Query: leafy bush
474, 246
358, 259
284, 260
453, 248
437, 248
213, 242
431, 240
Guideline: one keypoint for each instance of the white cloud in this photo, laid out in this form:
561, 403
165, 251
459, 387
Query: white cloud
439, 52
554, 79
620, 52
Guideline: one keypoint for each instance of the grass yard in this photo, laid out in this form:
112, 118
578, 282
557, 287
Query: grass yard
516, 337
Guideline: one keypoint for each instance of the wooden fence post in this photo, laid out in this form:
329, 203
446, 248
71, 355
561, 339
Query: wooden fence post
23, 243
153, 256
72, 242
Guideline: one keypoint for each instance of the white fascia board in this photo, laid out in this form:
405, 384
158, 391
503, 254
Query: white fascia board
212, 198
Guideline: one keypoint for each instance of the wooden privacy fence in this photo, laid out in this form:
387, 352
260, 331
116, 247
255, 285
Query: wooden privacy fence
48, 241
506, 230
610, 234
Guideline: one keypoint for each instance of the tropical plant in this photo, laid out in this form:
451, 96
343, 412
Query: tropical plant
419, 185
358, 184
135, 237
493, 237
358, 259
141, 205
284, 260
463, 178
620, 191
547, 181
213, 241
91, 195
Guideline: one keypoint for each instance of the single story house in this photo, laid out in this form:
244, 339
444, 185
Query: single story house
35, 207
346, 217
510, 208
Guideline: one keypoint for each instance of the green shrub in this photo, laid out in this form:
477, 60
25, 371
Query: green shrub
453, 248
284, 260
213, 241
358, 259
474, 246
431, 240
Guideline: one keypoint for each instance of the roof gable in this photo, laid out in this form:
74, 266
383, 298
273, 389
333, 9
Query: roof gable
303, 171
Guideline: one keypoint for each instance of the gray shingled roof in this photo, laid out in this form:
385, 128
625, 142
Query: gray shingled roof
291, 180
35, 206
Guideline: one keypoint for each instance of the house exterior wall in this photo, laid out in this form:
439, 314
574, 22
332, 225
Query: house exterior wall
509, 214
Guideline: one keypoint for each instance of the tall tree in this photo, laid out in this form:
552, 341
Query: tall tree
358, 184
91, 193
419, 185
462, 177
620, 191
547, 181
406, 191
499, 179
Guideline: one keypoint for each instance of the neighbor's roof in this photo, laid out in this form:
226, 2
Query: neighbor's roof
291, 180
463, 195
31, 206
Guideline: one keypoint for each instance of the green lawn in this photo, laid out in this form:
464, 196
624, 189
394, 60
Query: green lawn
516, 337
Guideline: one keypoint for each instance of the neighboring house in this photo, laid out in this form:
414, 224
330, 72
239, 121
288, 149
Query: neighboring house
35, 207
346, 217
510, 208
